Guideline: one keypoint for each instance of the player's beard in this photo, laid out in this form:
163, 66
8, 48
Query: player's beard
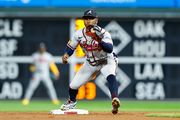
89, 27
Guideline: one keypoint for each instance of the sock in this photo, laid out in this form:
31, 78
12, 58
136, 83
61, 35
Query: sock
72, 94
113, 85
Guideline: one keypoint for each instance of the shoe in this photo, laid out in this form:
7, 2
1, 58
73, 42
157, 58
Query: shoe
68, 105
115, 105
25, 102
56, 102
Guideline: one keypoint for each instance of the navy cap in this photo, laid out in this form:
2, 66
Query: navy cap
90, 13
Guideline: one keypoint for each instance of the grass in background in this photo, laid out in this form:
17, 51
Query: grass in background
170, 115
151, 106
94, 105
35, 105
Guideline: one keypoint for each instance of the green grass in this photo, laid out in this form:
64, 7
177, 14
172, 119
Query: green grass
151, 106
35, 105
170, 115
94, 105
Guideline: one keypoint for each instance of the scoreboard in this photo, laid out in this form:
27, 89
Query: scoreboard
148, 52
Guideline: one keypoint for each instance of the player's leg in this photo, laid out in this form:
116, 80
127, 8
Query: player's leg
81, 77
109, 71
33, 84
51, 90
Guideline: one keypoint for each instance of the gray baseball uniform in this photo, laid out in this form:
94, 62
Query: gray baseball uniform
96, 58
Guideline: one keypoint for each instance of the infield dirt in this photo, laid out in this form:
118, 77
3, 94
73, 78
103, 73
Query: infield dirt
91, 116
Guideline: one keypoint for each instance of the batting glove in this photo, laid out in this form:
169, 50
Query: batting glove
99, 31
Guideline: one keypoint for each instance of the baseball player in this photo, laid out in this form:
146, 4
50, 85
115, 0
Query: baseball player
42, 64
98, 47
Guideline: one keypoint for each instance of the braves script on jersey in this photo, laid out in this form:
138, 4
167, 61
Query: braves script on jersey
89, 43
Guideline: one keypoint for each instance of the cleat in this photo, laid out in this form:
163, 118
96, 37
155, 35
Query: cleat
68, 105
25, 102
56, 102
115, 105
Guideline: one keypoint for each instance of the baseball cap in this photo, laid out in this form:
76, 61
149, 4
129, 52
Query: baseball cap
90, 13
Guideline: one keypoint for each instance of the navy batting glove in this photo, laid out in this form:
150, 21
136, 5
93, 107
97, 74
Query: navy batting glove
99, 31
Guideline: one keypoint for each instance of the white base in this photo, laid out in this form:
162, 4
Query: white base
70, 111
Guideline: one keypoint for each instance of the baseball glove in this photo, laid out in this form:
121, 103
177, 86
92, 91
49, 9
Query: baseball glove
99, 31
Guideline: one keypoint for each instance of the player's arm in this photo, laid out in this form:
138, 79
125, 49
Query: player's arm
70, 47
68, 52
107, 47
106, 41
32, 66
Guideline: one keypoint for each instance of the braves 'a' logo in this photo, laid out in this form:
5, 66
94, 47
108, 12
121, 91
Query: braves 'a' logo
89, 12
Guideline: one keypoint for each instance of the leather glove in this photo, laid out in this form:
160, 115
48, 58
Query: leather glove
99, 31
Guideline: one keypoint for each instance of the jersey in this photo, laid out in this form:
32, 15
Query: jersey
94, 53
90, 46
42, 63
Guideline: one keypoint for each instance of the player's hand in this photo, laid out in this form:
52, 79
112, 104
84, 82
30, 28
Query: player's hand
99, 31
56, 77
65, 58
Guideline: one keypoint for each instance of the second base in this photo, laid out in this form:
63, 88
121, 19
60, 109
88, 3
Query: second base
70, 111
